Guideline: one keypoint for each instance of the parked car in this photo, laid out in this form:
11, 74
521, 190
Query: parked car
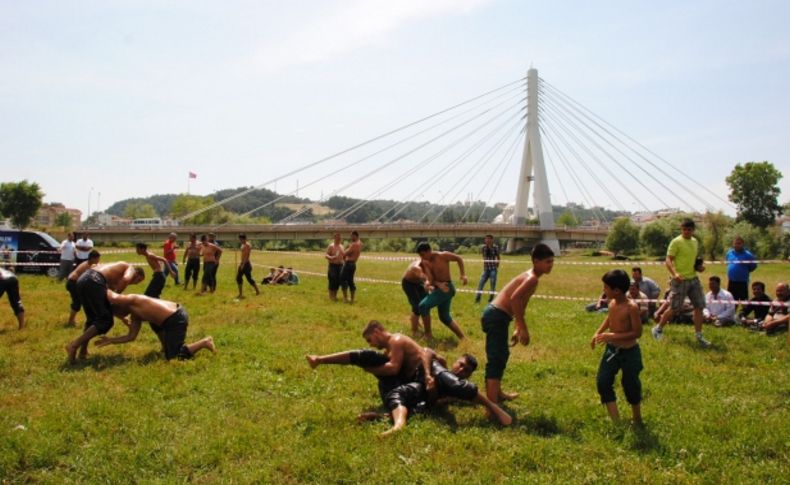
29, 247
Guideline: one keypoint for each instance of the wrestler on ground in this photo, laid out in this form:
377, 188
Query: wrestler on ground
211, 254
71, 285
10, 285
92, 289
192, 261
622, 350
158, 276
168, 319
245, 267
440, 288
441, 386
511, 303
400, 363
413, 283
334, 256
350, 257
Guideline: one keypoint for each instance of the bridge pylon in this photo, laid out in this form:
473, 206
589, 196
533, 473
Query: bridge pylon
533, 168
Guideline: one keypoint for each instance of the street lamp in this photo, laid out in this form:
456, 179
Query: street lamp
90, 196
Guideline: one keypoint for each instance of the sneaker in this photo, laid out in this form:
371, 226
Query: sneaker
703, 342
657, 332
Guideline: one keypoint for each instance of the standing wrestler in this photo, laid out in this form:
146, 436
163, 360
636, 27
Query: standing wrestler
511, 303
212, 238
71, 284
168, 320
334, 256
170, 256
9, 284
413, 284
211, 253
245, 267
157, 284
192, 261
350, 257
92, 289
436, 267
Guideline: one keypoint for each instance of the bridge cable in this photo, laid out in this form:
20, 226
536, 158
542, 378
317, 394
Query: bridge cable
583, 108
347, 150
401, 157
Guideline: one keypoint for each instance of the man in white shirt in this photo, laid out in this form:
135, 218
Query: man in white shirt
717, 309
84, 247
67, 254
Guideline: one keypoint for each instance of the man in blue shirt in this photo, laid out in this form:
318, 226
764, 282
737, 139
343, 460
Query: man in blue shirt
737, 272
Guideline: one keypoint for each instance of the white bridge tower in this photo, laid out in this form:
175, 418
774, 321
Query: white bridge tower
534, 170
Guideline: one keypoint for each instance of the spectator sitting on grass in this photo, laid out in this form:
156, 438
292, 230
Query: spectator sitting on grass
719, 307
635, 294
778, 315
760, 311
600, 306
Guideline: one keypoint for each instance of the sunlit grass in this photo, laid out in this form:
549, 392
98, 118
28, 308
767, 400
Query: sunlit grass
255, 412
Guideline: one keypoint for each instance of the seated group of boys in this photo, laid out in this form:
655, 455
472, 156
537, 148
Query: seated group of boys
411, 378
281, 276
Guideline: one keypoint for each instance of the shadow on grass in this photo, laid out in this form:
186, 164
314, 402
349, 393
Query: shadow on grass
102, 362
645, 440
540, 425
717, 347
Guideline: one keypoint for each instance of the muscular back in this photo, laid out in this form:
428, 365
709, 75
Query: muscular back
412, 354
114, 274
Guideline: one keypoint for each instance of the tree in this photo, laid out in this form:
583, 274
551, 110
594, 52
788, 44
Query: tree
184, 204
63, 220
654, 238
567, 219
19, 201
623, 236
754, 188
716, 224
139, 210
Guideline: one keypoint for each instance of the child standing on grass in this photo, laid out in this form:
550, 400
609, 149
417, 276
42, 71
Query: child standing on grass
510, 303
622, 350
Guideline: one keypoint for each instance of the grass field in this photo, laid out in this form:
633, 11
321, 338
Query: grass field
256, 412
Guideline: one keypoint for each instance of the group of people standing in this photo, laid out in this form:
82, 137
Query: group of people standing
342, 266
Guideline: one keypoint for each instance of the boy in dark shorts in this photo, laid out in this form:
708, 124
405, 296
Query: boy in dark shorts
92, 289
159, 276
413, 284
71, 284
10, 285
511, 303
168, 319
622, 350
436, 266
192, 261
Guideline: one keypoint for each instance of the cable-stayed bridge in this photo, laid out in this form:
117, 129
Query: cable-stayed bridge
523, 141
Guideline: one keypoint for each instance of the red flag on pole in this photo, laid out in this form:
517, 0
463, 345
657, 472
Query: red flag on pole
192, 175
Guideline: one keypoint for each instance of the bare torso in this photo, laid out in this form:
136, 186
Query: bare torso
335, 253
412, 354
438, 267
414, 273
193, 251
504, 299
352, 251
620, 320
245, 253
210, 251
114, 275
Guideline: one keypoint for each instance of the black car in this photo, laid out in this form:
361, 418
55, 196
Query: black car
29, 247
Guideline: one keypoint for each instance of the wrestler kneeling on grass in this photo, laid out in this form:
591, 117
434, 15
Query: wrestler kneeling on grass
168, 319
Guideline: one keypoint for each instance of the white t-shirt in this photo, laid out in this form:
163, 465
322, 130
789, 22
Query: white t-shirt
87, 243
67, 250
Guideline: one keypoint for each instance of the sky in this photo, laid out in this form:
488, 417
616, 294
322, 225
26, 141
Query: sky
106, 100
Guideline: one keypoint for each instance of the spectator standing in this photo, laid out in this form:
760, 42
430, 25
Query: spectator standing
490, 252
68, 252
170, 255
83, 248
738, 271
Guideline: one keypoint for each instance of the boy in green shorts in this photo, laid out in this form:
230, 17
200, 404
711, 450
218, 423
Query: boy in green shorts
622, 350
510, 303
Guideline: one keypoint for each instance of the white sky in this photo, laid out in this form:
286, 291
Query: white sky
124, 98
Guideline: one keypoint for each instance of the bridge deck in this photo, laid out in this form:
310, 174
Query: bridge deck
325, 231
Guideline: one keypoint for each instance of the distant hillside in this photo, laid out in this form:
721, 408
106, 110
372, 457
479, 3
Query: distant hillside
351, 209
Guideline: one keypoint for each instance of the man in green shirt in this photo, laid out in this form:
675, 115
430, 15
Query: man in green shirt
682, 265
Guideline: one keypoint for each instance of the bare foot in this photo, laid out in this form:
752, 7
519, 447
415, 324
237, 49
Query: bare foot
389, 432
210, 344
72, 353
312, 360
507, 396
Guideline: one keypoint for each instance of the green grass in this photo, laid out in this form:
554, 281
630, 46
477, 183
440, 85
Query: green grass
255, 411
